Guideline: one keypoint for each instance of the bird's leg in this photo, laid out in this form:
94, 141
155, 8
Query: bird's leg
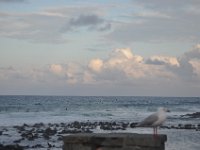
156, 131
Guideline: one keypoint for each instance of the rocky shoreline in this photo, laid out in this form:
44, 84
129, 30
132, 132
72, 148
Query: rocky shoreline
52, 134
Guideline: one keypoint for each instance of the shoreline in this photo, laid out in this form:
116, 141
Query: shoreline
40, 135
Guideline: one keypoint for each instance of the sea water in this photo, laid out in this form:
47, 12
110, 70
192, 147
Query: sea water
16, 110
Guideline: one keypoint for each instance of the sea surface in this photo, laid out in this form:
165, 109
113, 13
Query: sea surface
17, 110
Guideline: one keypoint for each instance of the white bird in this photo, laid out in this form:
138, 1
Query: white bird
154, 120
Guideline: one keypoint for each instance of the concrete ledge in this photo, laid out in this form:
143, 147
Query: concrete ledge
114, 141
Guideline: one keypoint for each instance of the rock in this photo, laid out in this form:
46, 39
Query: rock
18, 141
37, 146
11, 147
50, 145
38, 125
188, 126
76, 124
19, 128
60, 138
50, 131
30, 136
25, 125
125, 125
193, 115
198, 126
133, 125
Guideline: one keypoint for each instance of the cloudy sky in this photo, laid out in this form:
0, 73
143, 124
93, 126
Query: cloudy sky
101, 47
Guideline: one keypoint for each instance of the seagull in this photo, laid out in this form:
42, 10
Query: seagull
154, 120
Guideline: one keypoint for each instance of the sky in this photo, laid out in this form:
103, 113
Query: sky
100, 47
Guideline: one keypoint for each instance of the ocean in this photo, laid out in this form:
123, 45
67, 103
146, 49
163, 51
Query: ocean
19, 110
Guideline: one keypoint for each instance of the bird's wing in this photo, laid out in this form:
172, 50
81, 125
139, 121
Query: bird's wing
149, 120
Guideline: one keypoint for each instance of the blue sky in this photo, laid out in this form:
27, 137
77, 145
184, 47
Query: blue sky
123, 47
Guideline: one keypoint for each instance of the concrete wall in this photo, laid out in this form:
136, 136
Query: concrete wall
114, 141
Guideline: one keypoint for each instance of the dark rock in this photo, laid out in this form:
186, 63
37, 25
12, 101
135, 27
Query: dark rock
60, 138
19, 128
38, 125
165, 127
63, 132
125, 125
62, 124
40, 131
87, 130
37, 146
133, 125
46, 137
30, 136
193, 115
11, 147
188, 126
76, 124
25, 125
50, 131
18, 141
50, 145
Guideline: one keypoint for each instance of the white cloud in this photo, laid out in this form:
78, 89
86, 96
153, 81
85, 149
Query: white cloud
55, 68
196, 66
88, 78
120, 68
96, 65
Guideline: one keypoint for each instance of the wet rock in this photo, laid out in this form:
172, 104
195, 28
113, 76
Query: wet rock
29, 136
188, 126
45, 136
106, 126
76, 124
38, 125
198, 126
50, 131
173, 127
133, 125
87, 130
18, 141
62, 124
180, 126
125, 125
193, 115
60, 138
37, 146
11, 147
50, 145
25, 125
74, 131
165, 127
19, 128
40, 131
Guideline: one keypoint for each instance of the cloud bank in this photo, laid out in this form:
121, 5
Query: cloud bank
120, 68
137, 21
52, 25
